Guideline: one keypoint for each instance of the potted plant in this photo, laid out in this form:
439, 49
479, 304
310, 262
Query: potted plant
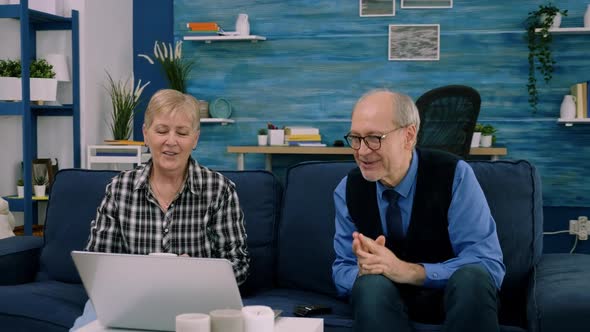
174, 66
276, 136
487, 135
39, 185
540, 57
43, 85
262, 136
20, 188
124, 100
476, 138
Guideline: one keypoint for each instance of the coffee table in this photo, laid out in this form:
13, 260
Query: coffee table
282, 324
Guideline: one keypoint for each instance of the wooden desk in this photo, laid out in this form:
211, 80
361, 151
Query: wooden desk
268, 151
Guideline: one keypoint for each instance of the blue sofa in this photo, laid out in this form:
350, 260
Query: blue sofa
290, 231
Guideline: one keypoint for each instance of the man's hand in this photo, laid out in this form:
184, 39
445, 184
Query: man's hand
374, 258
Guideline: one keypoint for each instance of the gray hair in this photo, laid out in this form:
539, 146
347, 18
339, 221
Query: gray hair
167, 101
405, 110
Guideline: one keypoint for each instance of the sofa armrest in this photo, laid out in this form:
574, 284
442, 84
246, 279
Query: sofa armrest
19, 259
558, 293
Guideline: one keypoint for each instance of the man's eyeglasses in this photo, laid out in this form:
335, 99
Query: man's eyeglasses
373, 142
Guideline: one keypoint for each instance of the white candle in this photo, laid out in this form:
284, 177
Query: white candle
258, 318
226, 320
193, 323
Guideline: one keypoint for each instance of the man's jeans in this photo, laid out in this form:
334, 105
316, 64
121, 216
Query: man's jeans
469, 303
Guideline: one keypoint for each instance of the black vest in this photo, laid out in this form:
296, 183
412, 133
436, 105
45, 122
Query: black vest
427, 239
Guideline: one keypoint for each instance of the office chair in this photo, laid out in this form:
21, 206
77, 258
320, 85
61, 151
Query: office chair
447, 118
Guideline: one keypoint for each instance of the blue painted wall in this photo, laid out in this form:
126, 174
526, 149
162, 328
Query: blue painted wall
320, 56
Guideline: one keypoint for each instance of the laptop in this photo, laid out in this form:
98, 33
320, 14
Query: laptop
148, 292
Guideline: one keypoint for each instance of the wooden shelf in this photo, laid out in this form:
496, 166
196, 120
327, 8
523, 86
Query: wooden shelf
568, 31
209, 39
222, 121
571, 122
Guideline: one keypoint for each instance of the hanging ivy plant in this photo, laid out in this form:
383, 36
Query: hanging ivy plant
539, 47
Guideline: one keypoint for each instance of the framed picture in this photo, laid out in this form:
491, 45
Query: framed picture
377, 7
414, 42
426, 4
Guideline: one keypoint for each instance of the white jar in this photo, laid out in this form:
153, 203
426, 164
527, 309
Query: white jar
587, 17
242, 25
568, 108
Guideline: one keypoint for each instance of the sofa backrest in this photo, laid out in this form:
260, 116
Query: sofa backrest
73, 200
260, 195
306, 230
514, 194
305, 243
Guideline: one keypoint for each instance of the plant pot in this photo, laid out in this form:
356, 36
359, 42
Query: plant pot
554, 24
41, 89
39, 190
277, 136
486, 141
20, 191
475, 139
262, 140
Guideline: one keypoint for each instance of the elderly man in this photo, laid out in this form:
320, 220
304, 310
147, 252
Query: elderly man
415, 240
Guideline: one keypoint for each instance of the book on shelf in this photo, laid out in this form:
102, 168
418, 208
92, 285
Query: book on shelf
103, 153
303, 137
202, 26
123, 142
580, 92
310, 144
294, 130
301, 143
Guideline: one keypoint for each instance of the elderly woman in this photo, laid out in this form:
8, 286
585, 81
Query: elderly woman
172, 204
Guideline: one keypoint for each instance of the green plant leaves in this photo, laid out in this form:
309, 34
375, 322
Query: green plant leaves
124, 100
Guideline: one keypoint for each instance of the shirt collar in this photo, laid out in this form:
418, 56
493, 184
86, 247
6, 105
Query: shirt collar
194, 178
403, 188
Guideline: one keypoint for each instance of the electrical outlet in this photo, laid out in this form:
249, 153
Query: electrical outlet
583, 228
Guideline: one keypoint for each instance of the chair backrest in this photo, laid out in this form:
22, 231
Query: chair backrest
447, 118
73, 200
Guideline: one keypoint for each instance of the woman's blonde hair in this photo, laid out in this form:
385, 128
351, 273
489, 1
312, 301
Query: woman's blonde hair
168, 101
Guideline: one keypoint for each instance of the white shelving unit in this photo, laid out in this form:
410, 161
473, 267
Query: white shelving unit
571, 122
209, 39
222, 121
568, 31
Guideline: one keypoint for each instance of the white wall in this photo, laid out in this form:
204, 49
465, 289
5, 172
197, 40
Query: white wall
106, 42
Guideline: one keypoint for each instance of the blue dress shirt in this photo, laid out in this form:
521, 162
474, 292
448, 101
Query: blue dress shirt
472, 229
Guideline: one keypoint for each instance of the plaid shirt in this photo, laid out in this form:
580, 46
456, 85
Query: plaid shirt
204, 220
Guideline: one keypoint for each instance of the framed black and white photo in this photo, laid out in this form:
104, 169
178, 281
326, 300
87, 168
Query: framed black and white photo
426, 4
414, 42
377, 7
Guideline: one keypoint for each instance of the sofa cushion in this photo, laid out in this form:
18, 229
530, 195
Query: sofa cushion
48, 304
260, 195
306, 230
513, 192
74, 198
559, 299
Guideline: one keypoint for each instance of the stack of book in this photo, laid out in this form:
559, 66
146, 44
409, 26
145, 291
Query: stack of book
203, 28
303, 136
580, 92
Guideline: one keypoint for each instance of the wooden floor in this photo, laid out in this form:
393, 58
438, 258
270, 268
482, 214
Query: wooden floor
37, 230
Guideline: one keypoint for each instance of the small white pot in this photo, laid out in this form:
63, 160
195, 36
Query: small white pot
486, 141
39, 190
475, 139
20, 191
277, 136
10, 88
262, 140
41, 89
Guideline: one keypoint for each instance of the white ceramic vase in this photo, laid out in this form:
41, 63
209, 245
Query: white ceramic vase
486, 141
276, 136
475, 139
39, 190
20, 191
587, 17
556, 20
242, 25
262, 140
568, 107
